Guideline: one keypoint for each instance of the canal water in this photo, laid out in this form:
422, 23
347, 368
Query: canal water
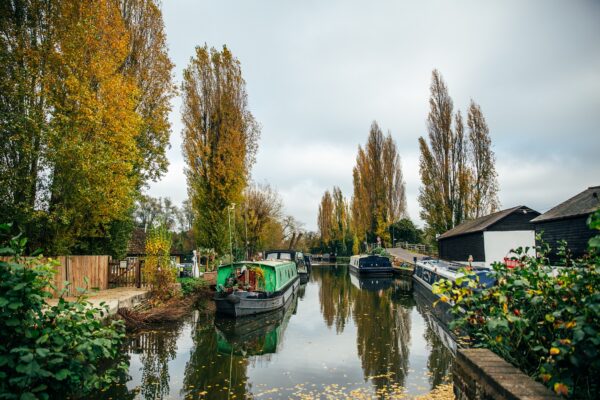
341, 336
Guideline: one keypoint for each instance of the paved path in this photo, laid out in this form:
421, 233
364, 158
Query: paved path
404, 255
114, 298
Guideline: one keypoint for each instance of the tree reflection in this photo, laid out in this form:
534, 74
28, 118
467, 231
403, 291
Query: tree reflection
210, 373
439, 362
334, 295
383, 337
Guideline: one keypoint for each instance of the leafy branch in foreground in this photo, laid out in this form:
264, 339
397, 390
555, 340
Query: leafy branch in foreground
544, 320
50, 351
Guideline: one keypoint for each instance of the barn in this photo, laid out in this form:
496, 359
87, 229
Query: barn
489, 238
568, 221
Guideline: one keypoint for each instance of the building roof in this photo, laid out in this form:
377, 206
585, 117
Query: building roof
482, 223
582, 204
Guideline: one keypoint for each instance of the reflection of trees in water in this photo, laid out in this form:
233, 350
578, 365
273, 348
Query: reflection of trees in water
334, 295
156, 348
383, 336
440, 358
210, 373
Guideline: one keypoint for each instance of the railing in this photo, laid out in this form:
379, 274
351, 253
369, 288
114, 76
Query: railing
418, 248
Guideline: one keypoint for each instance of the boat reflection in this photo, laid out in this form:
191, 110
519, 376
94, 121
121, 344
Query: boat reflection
255, 335
370, 282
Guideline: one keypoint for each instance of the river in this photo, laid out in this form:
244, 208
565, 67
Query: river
340, 336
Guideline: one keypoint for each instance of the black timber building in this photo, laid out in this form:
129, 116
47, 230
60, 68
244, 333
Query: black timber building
489, 238
568, 221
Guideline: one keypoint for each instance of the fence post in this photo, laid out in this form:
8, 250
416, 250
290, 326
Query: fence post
138, 274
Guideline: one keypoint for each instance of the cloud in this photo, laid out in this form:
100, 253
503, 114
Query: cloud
318, 73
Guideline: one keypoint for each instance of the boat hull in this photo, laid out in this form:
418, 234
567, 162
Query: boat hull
239, 304
372, 270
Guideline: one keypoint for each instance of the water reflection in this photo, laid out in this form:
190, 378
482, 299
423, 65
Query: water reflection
359, 334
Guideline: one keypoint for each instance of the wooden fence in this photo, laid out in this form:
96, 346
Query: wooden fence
76, 269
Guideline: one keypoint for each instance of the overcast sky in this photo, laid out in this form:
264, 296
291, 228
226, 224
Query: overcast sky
319, 72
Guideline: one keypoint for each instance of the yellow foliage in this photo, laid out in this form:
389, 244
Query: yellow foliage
158, 271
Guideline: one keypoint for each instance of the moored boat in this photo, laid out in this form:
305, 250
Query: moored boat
371, 264
290, 255
430, 270
249, 287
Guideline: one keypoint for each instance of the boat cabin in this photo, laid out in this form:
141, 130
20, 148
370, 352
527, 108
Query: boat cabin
264, 276
288, 255
490, 238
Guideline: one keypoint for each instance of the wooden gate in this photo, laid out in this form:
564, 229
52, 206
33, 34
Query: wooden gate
126, 273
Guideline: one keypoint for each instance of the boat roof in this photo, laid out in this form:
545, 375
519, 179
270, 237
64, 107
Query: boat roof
482, 223
367, 255
267, 263
290, 251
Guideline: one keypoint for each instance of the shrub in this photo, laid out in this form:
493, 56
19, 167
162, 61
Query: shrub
50, 352
159, 271
190, 286
543, 320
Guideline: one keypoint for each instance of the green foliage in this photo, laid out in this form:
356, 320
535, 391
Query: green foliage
50, 351
405, 231
190, 286
544, 320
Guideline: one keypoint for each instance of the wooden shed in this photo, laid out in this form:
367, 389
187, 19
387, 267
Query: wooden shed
568, 221
489, 238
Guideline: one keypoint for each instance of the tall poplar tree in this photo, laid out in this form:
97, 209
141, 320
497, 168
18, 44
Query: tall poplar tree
484, 192
457, 173
379, 197
325, 218
220, 139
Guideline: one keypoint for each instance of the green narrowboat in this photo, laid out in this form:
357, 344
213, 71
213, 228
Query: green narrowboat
253, 287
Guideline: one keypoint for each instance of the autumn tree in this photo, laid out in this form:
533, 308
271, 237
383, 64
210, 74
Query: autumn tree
484, 197
148, 64
262, 206
92, 145
450, 163
220, 139
84, 97
325, 218
379, 197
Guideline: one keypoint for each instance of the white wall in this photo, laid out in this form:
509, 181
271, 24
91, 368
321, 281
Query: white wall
497, 245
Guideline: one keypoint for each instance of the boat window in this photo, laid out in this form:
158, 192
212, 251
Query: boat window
285, 256
272, 256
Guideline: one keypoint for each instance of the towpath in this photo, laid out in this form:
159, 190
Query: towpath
114, 298
405, 255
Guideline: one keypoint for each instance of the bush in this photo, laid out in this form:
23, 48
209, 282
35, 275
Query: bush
159, 271
190, 286
543, 320
50, 352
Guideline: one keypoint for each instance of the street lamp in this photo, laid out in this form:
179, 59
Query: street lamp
229, 209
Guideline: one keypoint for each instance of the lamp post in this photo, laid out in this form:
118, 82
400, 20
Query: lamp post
229, 209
